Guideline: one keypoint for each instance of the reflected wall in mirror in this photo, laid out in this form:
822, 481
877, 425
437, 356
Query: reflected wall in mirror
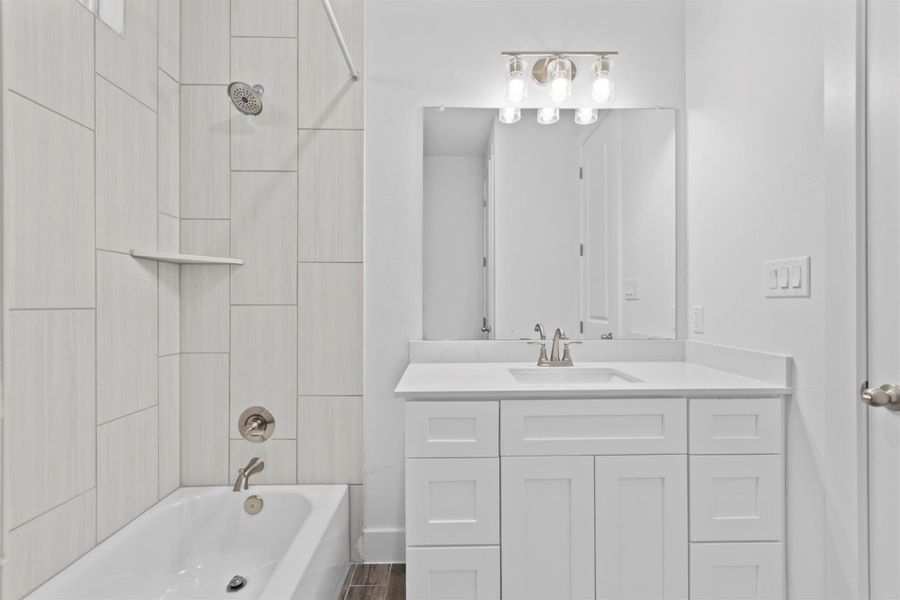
568, 225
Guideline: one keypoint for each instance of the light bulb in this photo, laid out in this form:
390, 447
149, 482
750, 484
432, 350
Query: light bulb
602, 88
548, 115
510, 114
560, 79
585, 116
516, 84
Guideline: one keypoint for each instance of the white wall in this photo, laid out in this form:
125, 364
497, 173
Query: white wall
453, 247
446, 52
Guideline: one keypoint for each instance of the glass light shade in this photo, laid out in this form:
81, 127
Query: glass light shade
560, 80
586, 116
548, 115
602, 89
510, 114
516, 83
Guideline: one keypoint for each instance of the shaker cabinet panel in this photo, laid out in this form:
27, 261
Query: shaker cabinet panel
641, 527
456, 573
736, 425
608, 426
737, 571
548, 527
455, 428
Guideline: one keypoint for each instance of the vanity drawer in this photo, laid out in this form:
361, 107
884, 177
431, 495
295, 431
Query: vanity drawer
750, 570
462, 573
736, 498
588, 427
452, 428
452, 501
736, 425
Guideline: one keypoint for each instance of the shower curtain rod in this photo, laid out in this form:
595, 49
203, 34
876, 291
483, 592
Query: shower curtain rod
354, 74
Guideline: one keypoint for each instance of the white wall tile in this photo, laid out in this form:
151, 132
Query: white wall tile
266, 18
130, 60
204, 288
204, 419
53, 62
331, 196
169, 235
205, 166
330, 320
169, 309
127, 469
264, 365
50, 392
170, 37
169, 424
334, 102
267, 141
126, 335
41, 548
280, 457
49, 191
329, 439
169, 145
205, 36
126, 170
264, 234
357, 547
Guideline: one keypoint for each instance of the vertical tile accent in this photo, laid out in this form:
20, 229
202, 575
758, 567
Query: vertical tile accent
334, 102
169, 145
331, 196
170, 37
53, 61
42, 547
50, 391
280, 457
357, 541
130, 60
169, 288
204, 419
205, 115
204, 289
330, 323
169, 424
329, 436
49, 191
127, 469
269, 140
264, 18
263, 365
127, 336
264, 234
126, 170
204, 48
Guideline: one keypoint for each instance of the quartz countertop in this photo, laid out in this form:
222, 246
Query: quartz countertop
493, 380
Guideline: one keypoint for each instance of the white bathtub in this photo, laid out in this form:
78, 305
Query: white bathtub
194, 541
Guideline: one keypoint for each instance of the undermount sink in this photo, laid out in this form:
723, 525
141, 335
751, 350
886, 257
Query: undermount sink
571, 375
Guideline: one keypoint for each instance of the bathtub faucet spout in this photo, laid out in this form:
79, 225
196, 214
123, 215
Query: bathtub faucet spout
242, 484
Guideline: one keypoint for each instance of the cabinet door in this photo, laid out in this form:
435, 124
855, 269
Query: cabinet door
547, 524
642, 526
455, 573
737, 571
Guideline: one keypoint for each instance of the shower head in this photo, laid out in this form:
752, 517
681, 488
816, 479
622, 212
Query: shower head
245, 98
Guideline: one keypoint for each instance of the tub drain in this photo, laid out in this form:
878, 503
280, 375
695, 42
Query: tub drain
237, 582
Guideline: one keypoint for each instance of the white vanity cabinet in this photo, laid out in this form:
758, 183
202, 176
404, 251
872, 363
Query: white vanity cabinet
595, 498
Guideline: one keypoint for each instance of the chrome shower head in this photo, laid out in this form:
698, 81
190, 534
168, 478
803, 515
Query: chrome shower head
245, 98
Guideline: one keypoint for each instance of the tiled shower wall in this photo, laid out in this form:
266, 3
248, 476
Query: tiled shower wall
283, 191
91, 335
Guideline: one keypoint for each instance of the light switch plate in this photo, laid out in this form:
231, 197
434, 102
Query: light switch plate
633, 289
787, 278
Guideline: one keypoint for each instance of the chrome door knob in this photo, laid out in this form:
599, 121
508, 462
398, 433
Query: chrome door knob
887, 395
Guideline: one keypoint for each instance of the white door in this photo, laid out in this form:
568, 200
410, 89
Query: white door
641, 526
547, 528
883, 159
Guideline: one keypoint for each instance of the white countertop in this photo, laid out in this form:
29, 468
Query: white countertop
483, 380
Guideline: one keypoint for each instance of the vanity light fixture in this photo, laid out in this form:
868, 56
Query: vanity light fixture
516, 84
562, 70
602, 89
510, 114
548, 115
586, 116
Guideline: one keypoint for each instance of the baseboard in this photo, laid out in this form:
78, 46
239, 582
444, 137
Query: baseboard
385, 545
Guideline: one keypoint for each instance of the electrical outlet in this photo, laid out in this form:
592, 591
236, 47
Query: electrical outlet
697, 319
632, 289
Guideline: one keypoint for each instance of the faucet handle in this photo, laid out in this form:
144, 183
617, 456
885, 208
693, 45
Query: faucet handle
543, 361
567, 356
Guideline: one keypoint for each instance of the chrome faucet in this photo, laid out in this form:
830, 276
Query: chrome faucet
242, 484
554, 360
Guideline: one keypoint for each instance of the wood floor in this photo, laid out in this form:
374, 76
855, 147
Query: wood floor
381, 581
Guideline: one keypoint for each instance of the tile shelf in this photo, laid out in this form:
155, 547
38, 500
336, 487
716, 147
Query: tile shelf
185, 259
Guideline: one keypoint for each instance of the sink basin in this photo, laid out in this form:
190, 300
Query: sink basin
571, 375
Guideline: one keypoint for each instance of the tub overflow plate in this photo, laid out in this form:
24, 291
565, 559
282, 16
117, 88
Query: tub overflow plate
253, 504
237, 582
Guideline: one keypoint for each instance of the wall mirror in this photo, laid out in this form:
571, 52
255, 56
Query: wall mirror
569, 225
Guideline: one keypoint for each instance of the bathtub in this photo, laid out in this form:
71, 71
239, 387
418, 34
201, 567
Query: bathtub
195, 540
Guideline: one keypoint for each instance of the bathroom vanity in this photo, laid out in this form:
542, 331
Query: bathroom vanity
650, 478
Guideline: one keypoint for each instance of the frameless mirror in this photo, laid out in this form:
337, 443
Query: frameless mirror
569, 225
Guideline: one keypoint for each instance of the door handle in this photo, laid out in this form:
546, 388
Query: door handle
887, 395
